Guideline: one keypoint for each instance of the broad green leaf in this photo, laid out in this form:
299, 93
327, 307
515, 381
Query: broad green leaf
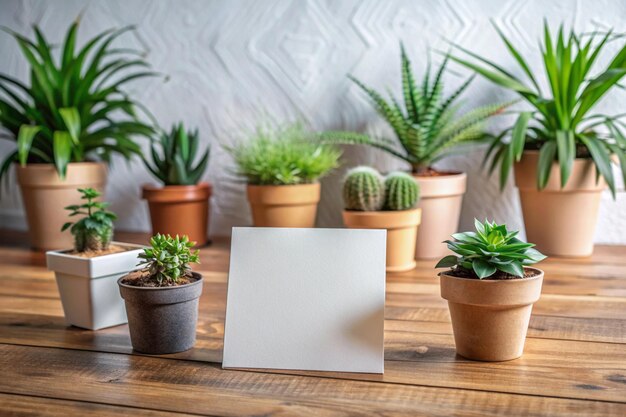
483, 269
566, 150
62, 151
71, 118
544, 166
447, 262
25, 138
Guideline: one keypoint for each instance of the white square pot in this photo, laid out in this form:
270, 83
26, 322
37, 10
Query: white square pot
88, 286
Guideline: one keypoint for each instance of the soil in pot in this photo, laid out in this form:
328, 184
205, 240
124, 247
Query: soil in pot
490, 317
161, 319
441, 197
95, 253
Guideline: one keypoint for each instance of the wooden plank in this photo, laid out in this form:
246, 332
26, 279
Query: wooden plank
26, 405
172, 385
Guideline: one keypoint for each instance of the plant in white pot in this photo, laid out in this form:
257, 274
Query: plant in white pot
87, 275
282, 166
428, 128
374, 202
561, 150
162, 297
490, 290
66, 123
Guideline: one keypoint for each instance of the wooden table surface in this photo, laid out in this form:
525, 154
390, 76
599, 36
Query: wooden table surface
574, 362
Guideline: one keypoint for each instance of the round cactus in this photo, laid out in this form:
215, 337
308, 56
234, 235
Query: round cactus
363, 189
401, 191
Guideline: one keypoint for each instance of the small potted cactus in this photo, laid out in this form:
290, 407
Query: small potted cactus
86, 275
374, 202
162, 297
181, 205
490, 291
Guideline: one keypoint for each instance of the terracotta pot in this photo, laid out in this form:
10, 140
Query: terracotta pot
45, 196
180, 210
284, 205
490, 317
561, 222
162, 319
441, 198
401, 229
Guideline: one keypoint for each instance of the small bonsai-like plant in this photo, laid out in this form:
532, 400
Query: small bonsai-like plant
284, 155
428, 128
74, 108
364, 189
173, 156
489, 252
94, 231
167, 259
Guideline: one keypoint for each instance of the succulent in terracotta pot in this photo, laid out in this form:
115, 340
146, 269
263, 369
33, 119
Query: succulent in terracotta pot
376, 202
86, 276
282, 166
181, 205
490, 288
162, 297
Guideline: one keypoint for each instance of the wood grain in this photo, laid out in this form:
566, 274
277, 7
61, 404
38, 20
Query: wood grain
574, 361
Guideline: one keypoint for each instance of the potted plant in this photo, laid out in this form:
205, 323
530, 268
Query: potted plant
562, 149
490, 291
427, 129
162, 297
282, 166
86, 276
181, 205
63, 123
374, 202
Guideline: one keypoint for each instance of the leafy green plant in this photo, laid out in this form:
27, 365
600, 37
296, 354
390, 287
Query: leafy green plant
428, 128
363, 189
401, 191
94, 231
491, 248
283, 155
172, 164
560, 125
66, 114
168, 258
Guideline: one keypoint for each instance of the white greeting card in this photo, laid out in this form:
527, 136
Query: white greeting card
308, 299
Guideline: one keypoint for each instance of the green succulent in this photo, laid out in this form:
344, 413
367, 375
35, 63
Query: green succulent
489, 249
561, 124
428, 127
168, 258
173, 155
401, 191
363, 189
94, 231
283, 155
66, 113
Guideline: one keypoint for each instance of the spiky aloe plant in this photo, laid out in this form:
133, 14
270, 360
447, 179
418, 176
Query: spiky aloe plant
363, 189
560, 124
95, 230
66, 113
173, 163
401, 191
428, 127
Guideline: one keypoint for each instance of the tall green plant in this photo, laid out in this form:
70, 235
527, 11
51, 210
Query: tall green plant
173, 156
428, 127
561, 124
95, 230
66, 114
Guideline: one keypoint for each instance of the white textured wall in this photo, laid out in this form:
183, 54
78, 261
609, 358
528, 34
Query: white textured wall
232, 62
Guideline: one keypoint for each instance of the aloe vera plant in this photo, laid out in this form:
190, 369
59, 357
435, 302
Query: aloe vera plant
173, 164
428, 127
561, 124
66, 112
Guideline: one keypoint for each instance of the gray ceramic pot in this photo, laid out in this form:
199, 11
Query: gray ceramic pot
162, 320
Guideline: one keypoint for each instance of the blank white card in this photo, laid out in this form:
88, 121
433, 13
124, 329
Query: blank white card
309, 299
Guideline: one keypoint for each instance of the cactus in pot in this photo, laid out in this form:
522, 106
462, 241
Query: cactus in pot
374, 202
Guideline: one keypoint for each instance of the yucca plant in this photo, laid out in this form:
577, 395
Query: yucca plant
173, 163
561, 124
66, 113
490, 250
428, 127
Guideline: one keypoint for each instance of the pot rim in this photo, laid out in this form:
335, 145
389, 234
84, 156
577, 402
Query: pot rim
133, 287
445, 174
306, 184
131, 247
46, 165
540, 274
200, 185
